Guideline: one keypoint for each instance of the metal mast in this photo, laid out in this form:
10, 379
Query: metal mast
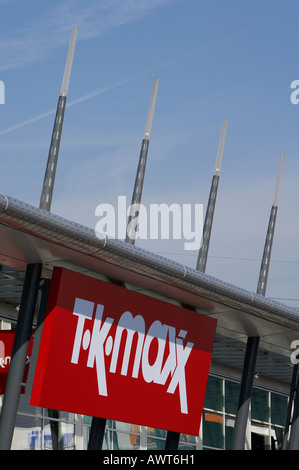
49, 178
203, 251
137, 192
263, 277
253, 342
98, 425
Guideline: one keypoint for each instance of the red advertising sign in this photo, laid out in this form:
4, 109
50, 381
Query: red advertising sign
110, 352
6, 344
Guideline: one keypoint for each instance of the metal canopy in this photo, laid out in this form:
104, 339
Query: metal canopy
31, 235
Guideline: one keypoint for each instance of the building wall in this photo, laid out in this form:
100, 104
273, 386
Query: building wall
38, 428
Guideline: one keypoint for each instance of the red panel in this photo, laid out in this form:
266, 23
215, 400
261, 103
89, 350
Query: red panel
6, 344
109, 352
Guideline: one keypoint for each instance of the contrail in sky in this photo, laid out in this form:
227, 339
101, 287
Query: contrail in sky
72, 103
123, 82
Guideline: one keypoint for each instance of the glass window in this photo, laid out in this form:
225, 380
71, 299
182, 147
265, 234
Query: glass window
153, 441
120, 426
27, 433
58, 435
279, 405
155, 444
87, 420
213, 430
214, 395
260, 405
277, 436
122, 441
232, 391
229, 431
184, 446
156, 432
260, 436
187, 438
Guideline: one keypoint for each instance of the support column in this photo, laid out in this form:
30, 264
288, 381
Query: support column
97, 430
207, 229
253, 342
172, 440
50, 172
245, 393
97, 433
19, 355
290, 406
138, 186
294, 438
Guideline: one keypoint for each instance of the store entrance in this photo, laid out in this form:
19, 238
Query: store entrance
264, 439
258, 441
260, 437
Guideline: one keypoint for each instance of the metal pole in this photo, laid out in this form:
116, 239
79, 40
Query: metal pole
97, 433
253, 342
50, 172
172, 440
138, 186
290, 405
245, 393
294, 438
19, 355
207, 229
265, 265
203, 252
97, 430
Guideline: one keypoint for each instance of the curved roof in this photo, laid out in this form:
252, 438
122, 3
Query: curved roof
32, 235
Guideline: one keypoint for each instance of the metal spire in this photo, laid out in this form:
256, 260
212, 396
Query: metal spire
203, 251
264, 270
97, 431
49, 178
137, 192
253, 341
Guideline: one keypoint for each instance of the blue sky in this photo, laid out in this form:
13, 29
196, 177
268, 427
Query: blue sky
214, 59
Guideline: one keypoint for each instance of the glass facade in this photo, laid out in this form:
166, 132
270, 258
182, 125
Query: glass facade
268, 416
124, 436
42, 429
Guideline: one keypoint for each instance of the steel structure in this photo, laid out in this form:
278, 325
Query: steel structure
138, 186
31, 236
207, 229
253, 342
98, 425
50, 172
33, 272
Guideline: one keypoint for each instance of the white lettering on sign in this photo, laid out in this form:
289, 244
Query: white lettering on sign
5, 360
101, 344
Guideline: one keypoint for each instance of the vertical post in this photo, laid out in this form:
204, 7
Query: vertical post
172, 440
253, 342
264, 271
245, 393
50, 172
294, 437
44, 288
97, 433
97, 430
290, 405
203, 252
138, 186
19, 355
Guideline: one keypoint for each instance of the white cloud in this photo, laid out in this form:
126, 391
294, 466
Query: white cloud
52, 30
